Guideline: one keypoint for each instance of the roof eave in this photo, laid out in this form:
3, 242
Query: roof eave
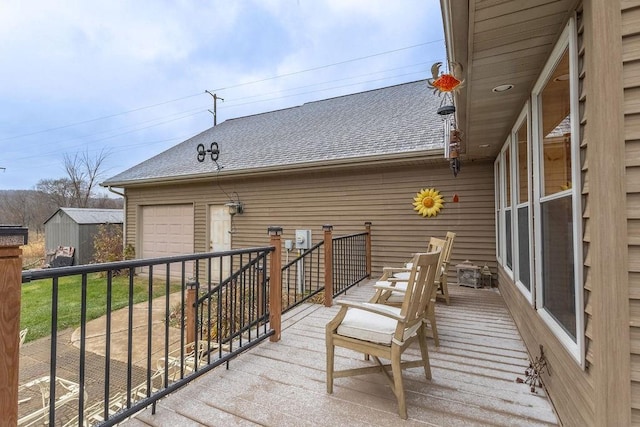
433, 155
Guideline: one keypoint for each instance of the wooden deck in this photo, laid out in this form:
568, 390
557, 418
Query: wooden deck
283, 383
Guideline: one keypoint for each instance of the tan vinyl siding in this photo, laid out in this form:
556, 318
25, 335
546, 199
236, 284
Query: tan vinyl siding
347, 199
570, 388
584, 157
631, 67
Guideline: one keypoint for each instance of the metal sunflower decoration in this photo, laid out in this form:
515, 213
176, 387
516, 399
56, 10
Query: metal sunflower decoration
428, 202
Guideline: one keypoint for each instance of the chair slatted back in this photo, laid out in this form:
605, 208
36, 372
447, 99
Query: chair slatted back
447, 248
419, 290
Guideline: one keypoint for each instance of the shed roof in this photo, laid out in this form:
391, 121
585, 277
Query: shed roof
389, 121
93, 216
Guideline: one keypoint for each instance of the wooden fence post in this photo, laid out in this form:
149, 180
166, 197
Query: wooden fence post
11, 238
367, 226
328, 265
275, 283
191, 310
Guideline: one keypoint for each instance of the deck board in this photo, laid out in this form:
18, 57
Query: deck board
283, 383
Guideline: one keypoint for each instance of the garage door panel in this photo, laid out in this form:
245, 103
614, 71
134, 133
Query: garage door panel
167, 230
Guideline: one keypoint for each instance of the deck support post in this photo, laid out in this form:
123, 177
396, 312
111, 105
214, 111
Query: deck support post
11, 238
275, 283
328, 265
191, 310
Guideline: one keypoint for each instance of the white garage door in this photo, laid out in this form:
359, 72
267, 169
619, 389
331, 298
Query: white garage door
167, 230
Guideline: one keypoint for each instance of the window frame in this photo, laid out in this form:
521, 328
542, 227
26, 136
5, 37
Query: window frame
502, 173
523, 118
567, 41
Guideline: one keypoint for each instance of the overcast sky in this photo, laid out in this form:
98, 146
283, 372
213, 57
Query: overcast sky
128, 78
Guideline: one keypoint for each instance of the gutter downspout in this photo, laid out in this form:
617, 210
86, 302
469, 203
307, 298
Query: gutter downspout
124, 218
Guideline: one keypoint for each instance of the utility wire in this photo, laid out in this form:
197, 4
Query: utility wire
214, 90
325, 66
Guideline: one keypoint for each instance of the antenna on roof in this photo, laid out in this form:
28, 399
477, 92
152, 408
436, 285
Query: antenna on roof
215, 106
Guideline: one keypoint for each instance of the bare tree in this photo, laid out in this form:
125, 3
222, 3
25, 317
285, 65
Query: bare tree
83, 172
59, 191
25, 207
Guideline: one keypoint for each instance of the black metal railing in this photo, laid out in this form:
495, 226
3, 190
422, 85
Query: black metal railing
349, 261
303, 278
199, 311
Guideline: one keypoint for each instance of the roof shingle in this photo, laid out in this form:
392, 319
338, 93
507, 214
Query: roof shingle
391, 120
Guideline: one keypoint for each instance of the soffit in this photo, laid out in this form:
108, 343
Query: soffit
498, 42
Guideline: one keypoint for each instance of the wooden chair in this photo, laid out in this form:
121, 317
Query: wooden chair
383, 331
23, 335
391, 286
443, 290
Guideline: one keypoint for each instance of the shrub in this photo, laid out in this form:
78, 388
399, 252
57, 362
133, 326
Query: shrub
107, 243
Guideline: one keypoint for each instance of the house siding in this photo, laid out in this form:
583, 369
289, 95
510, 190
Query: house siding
631, 78
346, 199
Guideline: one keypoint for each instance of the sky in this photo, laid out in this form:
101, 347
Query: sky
128, 79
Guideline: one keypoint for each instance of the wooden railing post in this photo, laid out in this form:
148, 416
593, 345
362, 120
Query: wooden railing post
367, 226
11, 238
328, 265
275, 283
191, 310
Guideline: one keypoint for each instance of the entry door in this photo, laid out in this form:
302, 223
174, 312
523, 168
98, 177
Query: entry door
219, 239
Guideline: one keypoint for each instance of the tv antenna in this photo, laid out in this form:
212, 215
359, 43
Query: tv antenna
215, 106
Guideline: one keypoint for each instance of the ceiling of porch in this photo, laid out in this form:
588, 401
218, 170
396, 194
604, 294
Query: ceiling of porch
498, 42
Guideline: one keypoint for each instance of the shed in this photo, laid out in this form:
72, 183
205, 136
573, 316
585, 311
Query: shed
77, 227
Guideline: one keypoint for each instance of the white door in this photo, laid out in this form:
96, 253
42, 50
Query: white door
219, 239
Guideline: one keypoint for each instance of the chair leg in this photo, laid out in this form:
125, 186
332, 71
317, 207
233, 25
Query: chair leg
396, 368
330, 357
434, 327
422, 340
445, 289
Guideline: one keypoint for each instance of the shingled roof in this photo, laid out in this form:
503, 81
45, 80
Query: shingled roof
93, 216
394, 120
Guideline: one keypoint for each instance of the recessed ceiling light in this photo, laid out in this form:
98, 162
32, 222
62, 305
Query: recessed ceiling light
502, 88
561, 78
484, 145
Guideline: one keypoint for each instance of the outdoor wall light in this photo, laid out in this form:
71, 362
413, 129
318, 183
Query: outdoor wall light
234, 207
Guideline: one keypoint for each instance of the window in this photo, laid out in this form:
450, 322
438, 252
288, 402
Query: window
507, 207
556, 199
523, 229
538, 212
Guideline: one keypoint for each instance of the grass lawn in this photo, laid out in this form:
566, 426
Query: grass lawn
36, 300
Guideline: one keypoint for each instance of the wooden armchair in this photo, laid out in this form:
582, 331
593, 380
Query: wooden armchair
383, 331
391, 287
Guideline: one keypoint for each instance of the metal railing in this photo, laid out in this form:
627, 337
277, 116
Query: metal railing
200, 311
349, 261
197, 312
304, 277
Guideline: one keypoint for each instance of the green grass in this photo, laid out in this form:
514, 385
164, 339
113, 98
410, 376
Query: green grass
35, 311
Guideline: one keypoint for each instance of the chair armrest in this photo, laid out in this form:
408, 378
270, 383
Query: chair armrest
386, 287
395, 269
370, 307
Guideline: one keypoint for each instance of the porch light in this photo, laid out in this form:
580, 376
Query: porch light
234, 207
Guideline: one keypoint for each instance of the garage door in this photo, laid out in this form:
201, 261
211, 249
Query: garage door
167, 230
